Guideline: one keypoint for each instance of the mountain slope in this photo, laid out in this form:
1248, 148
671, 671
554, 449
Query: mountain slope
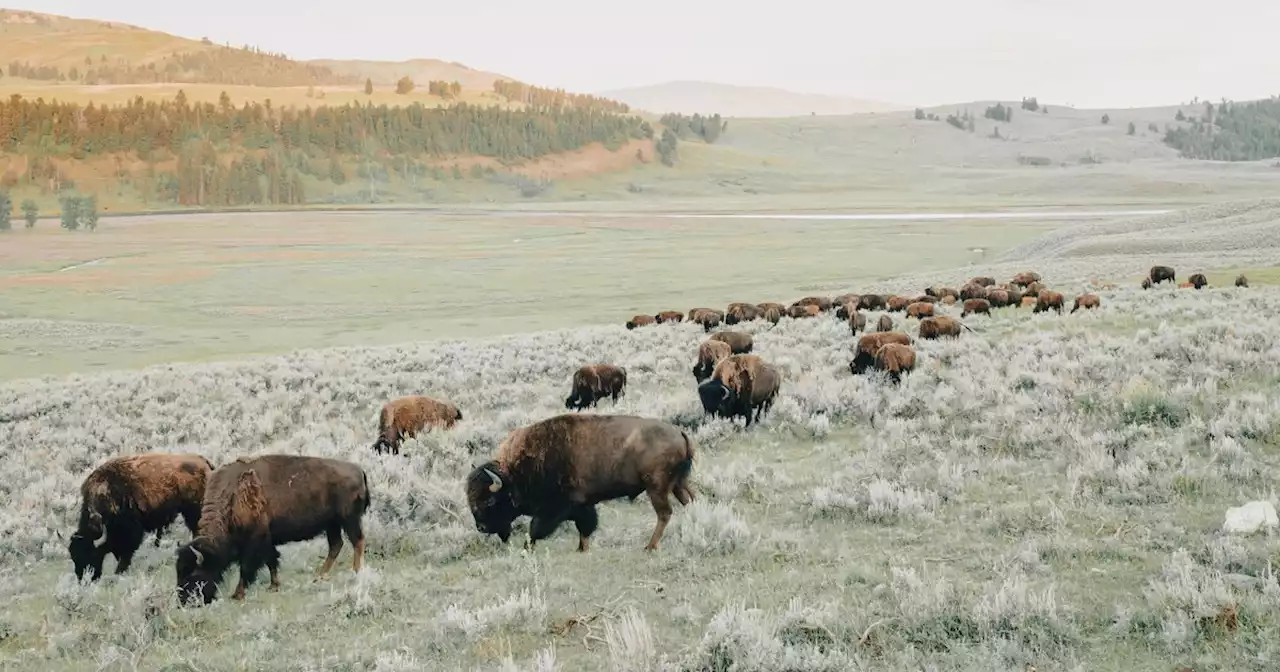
740, 101
64, 42
420, 70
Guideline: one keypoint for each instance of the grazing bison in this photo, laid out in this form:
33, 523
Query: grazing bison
1048, 300
739, 385
872, 302
897, 304
669, 316
998, 298
846, 309
1086, 301
739, 341
764, 307
857, 322
709, 318
1146, 282
251, 506
982, 280
865, 354
920, 309
942, 292
772, 314
802, 311
405, 417
895, 359
1033, 289
1015, 297
1159, 274
593, 382
924, 298
709, 354
844, 299
741, 312
1198, 280
973, 291
640, 321
973, 306
1242, 281
949, 300
1026, 278
823, 303
937, 327
885, 323
558, 469
126, 497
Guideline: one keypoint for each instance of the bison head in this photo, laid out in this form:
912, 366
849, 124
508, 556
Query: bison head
716, 396
490, 501
199, 569
86, 554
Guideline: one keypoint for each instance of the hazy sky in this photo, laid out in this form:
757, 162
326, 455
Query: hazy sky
1089, 53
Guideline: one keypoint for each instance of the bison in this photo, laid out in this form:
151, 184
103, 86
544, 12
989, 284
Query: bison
739, 341
1048, 300
872, 302
669, 316
772, 312
640, 321
126, 497
405, 417
937, 327
709, 318
857, 322
1086, 301
895, 359
1028, 301
1198, 280
741, 312
558, 469
885, 323
846, 309
1026, 278
1242, 281
897, 304
942, 292
1146, 282
823, 303
1159, 274
593, 382
1033, 289
973, 291
709, 354
920, 309
844, 299
865, 354
972, 306
998, 298
802, 311
982, 280
924, 298
739, 385
251, 506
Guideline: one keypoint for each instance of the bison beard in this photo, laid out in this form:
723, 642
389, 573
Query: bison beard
560, 468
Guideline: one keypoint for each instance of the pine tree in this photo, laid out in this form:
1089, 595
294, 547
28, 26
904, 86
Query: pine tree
368, 86
70, 212
6, 211
30, 212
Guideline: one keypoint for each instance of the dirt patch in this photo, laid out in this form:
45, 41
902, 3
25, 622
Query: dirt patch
593, 159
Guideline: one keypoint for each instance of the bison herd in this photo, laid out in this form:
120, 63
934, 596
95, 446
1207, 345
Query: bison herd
554, 470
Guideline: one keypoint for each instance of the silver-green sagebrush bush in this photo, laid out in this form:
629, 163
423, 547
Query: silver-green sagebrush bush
1020, 498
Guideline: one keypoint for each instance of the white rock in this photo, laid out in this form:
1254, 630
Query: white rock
1251, 517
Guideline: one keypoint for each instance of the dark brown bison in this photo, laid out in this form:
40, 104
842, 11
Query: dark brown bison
973, 291
251, 506
937, 327
920, 309
1025, 278
1146, 282
772, 313
823, 303
740, 341
1242, 281
558, 469
897, 304
895, 359
1198, 280
640, 321
972, 306
925, 298
1033, 289
1015, 297
942, 292
709, 354
872, 302
764, 307
885, 323
669, 316
1159, 274
741, 312
845, 298
846, 309
126, 497
405, 417
982, 280
593, 382
740, 385
865, 354
709, 318
998, 298
1048, 300
803, 311
1086, 301
857, 321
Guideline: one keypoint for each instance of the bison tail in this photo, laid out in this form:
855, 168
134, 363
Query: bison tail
366, 497
685, 466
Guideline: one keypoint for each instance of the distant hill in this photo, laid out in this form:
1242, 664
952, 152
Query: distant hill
740, 101
421, 70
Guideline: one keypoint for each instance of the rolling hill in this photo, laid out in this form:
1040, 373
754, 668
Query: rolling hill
740, 101
419, 70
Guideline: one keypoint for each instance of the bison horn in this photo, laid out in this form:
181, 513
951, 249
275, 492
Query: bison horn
497, 482
724, 393
199, 556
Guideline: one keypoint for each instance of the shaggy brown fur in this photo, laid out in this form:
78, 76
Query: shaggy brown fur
949, 300
709, 354
998, 298
1198, 280
1033, 289
127, 497
885, 323
251, 506
640, 321
895, 359
920, 309
1049, 300
740, 341
669, 316
846, 309
872, 302
1159, 274
972, 306
801, 312
844, 299
1242, 281
558, 469
823, 303
1146, 283
942, 292
709, 318
1026, 278
740, 385
1086, 301
897, 304
405, 417
869, 345
857, 321
1015, 297
924, 298
741, 312
937, 327
973, 291
982, 280
593, 382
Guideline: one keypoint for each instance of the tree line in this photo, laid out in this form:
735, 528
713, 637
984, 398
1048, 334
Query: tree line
538, 97
1229, 132
708, 129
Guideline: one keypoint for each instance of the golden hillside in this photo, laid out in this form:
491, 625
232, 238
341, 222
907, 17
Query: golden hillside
420, 70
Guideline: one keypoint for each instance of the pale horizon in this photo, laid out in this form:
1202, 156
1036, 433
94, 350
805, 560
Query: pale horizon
1091, 54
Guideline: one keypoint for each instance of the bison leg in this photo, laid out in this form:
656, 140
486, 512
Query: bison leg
541, 527
334, 535
355, 534
682, 492
273, 566
586, 520
662, 507
125, 541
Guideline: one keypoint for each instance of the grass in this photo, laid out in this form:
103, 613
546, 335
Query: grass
1024, 497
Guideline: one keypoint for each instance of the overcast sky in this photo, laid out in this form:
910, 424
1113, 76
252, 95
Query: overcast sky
1088, 53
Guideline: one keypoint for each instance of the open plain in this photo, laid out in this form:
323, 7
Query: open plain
1046, 492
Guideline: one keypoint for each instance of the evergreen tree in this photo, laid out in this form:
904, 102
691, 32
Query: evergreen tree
404, 85
88, 212
30, 212
1132, 129
70, 212
368, 86
6, 211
